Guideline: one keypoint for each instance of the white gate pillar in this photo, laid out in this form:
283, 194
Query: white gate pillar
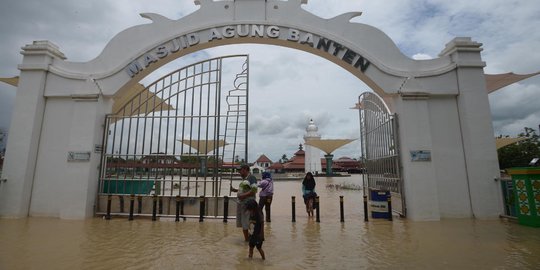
476, 128
420, 185
25, 129
65, 185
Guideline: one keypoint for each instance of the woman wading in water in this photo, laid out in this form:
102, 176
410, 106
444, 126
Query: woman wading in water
308, 192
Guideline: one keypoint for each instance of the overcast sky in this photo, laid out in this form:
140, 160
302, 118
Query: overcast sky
288, 87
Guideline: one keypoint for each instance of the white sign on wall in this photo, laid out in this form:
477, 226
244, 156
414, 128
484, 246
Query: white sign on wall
78, 156
421, 155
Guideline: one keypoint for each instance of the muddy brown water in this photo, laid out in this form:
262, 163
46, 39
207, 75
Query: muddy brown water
50, 243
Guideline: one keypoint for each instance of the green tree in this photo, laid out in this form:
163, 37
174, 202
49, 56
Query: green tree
213, 159
521, 153
189, 159
283, 159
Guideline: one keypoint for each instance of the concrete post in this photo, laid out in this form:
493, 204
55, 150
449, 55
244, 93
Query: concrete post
25, 129
476, 128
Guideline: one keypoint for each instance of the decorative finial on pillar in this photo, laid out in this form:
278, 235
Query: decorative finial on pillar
464, 52
43, 47
461, 44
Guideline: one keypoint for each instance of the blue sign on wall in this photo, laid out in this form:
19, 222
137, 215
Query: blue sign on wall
421, 155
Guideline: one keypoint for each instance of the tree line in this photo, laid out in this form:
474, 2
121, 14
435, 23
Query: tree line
520, 154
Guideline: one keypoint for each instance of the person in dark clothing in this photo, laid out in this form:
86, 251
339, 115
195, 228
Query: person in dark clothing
256, 228
308, 192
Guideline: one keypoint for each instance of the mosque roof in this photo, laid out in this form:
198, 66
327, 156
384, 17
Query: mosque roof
297, 161
291, 165
276, 166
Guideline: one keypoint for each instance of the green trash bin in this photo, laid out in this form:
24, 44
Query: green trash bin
527, 193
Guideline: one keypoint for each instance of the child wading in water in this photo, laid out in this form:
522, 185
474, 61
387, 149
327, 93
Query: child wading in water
256, 228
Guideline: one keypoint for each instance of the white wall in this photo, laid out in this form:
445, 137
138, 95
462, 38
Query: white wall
447, 153
420, 183
63, 188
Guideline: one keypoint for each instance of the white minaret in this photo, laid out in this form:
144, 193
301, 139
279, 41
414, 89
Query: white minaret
313, 154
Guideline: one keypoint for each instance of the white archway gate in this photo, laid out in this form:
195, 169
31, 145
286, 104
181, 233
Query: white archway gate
442, 103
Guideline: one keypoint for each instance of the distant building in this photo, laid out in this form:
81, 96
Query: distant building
159, 158
347, 164
297, 162
261, 164
276, 168
312, 154
335, 167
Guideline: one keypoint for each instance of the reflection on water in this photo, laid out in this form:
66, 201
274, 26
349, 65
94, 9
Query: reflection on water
43, 243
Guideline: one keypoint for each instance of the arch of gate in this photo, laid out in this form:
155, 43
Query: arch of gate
443, 105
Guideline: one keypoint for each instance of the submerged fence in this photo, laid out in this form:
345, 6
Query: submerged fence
177, 207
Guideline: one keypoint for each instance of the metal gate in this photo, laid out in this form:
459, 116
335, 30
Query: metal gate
380, 149
182, 135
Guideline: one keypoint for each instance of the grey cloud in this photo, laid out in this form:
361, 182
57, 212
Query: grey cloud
506, 101
267, 125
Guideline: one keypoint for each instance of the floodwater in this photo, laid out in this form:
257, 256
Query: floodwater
47, 243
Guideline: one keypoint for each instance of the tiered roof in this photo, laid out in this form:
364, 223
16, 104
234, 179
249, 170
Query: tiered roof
297, 162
